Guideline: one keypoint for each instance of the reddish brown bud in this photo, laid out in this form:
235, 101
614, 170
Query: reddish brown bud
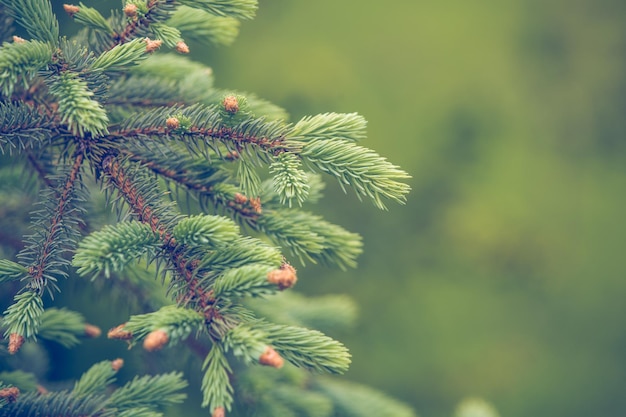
10, 394
71, 9
15, 342
285, 277
17, 39
42, 390
231, 104
218, 412
152, 45
92, 331
118, 332
130, 10
117, 364
271, 358
172, 123
182, 47
255, 203
155, 340
240, 198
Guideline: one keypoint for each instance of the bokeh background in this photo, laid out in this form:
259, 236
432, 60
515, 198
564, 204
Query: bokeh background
503, 276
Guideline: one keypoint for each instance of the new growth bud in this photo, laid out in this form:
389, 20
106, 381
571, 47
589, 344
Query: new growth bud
118, 332
71, 9
182, 47
17, 39
10, 394
15, 342
285, 277
155, 340
152, 45
117, 364
218, 412
92, 331
172, 123
130, 10
271, 358
231, 104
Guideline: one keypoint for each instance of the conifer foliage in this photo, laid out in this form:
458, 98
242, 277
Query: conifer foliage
209, 188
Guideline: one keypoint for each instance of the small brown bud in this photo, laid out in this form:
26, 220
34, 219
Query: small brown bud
10, 394
117, 364
271, 358
15, 342
17, 39
118, 332
152, 45
231, 104
285, 277
182, 47
130, 10
232, 155
42, 390
71, 9
255, 203
218, 412
172, 123
155, 340
92, 331
240, 198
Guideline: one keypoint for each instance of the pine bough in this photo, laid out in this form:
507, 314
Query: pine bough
109, 106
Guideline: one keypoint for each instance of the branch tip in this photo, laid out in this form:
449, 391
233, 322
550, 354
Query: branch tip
118, 332
271, 358
15, 343
92, 331
117, 364
10, 394
155, 340
284, 278
70, 9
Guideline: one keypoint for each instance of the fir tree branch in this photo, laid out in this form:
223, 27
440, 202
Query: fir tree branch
36, 17
45, 249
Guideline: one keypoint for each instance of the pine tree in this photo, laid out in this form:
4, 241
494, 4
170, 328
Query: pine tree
209, 189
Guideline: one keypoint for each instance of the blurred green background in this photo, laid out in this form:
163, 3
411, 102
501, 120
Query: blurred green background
503, 276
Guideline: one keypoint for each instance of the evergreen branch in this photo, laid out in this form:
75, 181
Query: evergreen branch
309, 236
303, 402
200, 26
289, 181
169, 35
53, 404
308, 349
242, 251
206, 230
23, 317
11, 271
146, 14
113, 248
142, 207
344, 126
46, 247
240, 9
174, 324
36, 17
245, 342
77, 109
21, 61
90, 17
245, 280
150, 392
24, 381
62, 326
217, 392
355, 400
369, 174
22, 126
206, 124
121, 56
95, 380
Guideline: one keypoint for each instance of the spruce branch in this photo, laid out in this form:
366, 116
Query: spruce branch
240, 9
217, 390
21, 61
201, 26
36, 17
89, 16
